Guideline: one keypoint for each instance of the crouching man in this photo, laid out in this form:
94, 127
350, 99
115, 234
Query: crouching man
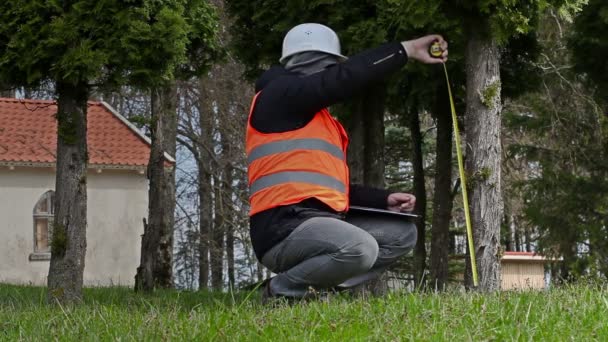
298, 175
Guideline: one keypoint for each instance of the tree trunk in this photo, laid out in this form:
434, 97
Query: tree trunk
442, 201
231, 94
566, 270
373, 168
356, 144
69, 244
420, 193
230, 255
228, 210
373, 119
206, 167
217, 236
510, 233
366, 135
528, 239
518, 243
366, 150
484, 151
205, 223
156, 268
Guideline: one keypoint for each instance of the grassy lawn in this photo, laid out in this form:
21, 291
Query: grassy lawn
571, 313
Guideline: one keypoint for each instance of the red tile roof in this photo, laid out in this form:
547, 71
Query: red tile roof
28, 134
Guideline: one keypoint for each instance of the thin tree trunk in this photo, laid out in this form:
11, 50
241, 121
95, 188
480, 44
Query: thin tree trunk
356, 145
420, 193
528, 239
373, 119
484, 151
518, 244
366, 151
366, 139
205, 186
442, 202
217, 237
373, 168
512, 233
366, 135
229, 213
232, 94
508, 235
568, 252
230, 255
156, 268
205, 222
68, 244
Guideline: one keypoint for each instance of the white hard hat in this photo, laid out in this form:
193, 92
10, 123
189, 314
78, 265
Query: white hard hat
311, 37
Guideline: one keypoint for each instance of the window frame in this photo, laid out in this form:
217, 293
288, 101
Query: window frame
49, 215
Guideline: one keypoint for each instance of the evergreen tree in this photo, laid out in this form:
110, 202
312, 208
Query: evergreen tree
560, 134
590, 47
485, 26
78, 44
156, 266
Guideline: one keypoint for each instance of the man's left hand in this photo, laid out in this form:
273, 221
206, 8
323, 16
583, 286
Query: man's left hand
400, 201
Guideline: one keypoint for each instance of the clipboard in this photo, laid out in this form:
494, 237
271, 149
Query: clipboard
365, 210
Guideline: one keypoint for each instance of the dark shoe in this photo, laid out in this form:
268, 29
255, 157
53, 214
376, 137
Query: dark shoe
354, 291
269, 298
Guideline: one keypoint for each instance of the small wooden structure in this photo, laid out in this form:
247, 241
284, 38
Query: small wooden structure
523, 270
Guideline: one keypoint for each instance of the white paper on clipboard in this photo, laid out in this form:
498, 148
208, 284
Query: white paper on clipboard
380, 211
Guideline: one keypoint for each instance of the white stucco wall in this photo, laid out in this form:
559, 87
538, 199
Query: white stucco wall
117, 202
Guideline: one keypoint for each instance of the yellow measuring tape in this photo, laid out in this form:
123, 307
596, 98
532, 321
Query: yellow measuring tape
436, 51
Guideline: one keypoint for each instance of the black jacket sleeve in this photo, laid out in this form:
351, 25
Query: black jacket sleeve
364, 196
289, 101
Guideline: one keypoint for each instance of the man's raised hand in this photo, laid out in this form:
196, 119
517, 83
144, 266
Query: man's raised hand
418, 49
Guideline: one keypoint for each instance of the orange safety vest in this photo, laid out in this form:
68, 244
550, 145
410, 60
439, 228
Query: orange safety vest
289, 167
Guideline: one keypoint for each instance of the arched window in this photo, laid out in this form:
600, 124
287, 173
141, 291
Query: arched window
44, 211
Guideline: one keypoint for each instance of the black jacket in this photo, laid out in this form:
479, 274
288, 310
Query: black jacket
289, 101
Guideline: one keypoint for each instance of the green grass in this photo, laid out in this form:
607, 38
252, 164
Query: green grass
572, 313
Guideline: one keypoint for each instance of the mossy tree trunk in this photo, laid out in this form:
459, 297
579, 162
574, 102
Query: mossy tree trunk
68, 244
483, 151
156, 268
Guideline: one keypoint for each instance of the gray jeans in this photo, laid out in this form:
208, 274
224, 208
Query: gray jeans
323, 252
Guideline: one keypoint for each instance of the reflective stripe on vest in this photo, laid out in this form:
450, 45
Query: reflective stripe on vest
292, 145
297, 177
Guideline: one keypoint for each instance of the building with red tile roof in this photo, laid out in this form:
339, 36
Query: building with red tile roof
117, 192
28, 136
